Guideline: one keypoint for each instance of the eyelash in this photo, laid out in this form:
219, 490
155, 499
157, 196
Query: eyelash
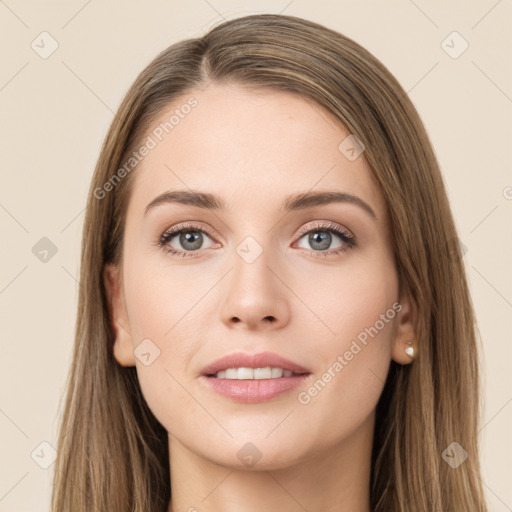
349, 240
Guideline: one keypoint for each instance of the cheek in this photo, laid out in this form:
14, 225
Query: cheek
161, 299
164, 306
342, 303
358, 309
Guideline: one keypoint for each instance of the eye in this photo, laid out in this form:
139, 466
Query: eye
189, 236
320, 238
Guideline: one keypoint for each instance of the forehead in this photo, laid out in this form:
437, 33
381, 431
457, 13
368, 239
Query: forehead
251, 147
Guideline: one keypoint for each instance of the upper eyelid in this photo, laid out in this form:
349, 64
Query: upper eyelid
327, 225
320, 224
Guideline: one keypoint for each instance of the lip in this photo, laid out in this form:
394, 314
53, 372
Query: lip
254, 390
261, 360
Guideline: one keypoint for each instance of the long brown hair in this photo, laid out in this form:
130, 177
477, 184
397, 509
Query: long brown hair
112, 452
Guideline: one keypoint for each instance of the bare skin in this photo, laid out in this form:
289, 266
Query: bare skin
254, 149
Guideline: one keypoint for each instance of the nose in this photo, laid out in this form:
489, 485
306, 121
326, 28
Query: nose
255, 296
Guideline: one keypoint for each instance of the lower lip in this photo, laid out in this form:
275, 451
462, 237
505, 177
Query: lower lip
254, 390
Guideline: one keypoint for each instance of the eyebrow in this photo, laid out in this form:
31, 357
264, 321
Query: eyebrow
294, 202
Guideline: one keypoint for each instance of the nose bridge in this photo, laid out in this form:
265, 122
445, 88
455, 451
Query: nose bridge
254, 294
252, 262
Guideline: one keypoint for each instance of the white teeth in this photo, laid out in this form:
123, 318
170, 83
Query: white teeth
253, 373
231, 373
263, 373
245, 373
276, 373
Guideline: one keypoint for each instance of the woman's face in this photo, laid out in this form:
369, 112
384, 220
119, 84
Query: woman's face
246, 277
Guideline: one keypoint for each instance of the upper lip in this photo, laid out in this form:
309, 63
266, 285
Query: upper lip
261, 360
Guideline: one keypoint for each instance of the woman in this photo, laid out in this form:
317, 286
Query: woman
273, 311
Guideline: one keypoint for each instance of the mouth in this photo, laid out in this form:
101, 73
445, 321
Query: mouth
265, 365
253, 378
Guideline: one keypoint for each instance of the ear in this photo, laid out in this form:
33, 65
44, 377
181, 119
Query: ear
406, 327
123, 343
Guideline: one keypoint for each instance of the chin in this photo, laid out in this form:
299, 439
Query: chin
258, 455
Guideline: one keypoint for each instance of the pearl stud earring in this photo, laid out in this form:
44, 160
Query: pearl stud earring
410, 350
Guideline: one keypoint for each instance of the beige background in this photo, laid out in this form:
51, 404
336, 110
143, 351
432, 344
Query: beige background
55, 113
